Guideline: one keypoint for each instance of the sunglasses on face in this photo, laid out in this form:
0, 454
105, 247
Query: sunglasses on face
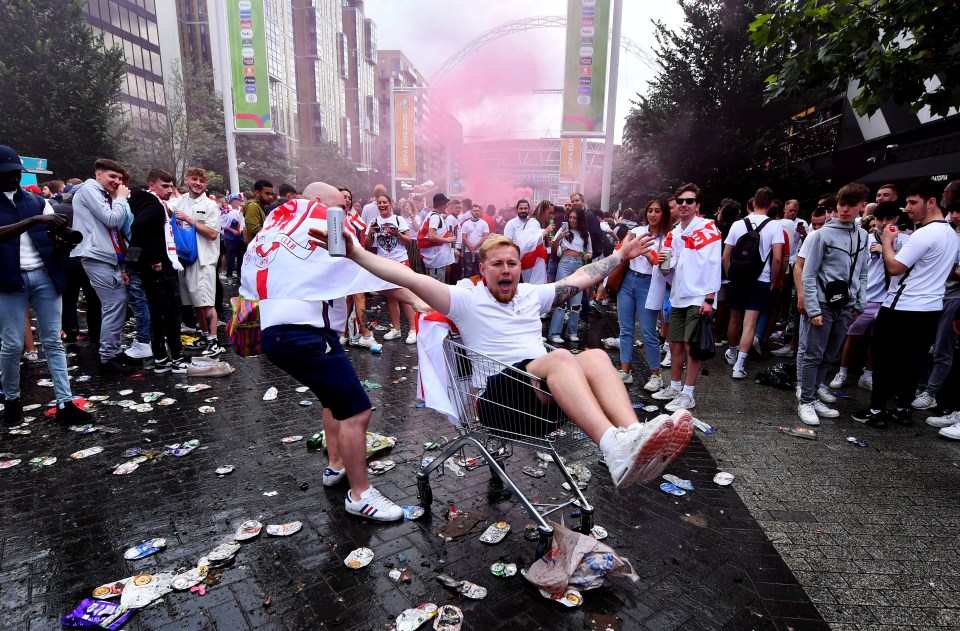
686, 200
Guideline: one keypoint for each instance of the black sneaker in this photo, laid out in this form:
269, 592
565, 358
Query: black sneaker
903, 416
115, 366
870, 418
213, 349
12, 412
199, 345
161, 366
178, 366
70, 414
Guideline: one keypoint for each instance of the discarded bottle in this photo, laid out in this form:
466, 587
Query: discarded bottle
315, 442
799, 432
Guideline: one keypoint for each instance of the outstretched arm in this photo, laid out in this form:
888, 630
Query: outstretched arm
432, 291
588, 275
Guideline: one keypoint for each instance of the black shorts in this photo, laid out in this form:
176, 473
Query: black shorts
315, 358
749, 296
510, 404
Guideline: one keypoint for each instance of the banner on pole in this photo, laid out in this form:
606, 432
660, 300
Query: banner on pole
404, 123
570, 158
585, 70
248, 65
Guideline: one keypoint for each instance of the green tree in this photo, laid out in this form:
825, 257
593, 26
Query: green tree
903, 51
704, 118
59, 87
325, 163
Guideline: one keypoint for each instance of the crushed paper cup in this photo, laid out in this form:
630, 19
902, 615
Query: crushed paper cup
284, 530
358, 558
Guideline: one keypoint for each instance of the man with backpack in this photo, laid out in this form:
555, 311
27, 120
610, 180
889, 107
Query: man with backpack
436, 240
834, 286
752, 256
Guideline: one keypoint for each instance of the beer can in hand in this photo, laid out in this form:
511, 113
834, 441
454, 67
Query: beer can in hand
336, 246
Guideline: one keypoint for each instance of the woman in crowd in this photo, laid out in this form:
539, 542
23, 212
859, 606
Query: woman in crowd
389, 234
573, 247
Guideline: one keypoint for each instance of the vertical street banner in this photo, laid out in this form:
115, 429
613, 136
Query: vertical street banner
570, 157
585, 67
246, 32
405, 113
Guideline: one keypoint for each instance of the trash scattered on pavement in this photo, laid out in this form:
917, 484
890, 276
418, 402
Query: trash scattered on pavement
598, 532
531, 532
305, 403
706, 428
468, 589
166, 401
602, 622
98, 614
224, 470
124, 393
248, 530
270, 394
302, 389
98, 397
270, 493
377, 467
534, 472
799, 432
191, 577
86, 453
723, 478
178, 450
126, 468
412, 512
678, 482
449, 618
567, 598
19, 432
42, 461
576, 562
206, 409
666, 487
495, 533
430, 446
198, 387
421, 405
222, 554
31, 407
111, 590
580, 474
412, 619
291, 439
315, 442
146, 588
83, 429
454, 468
504, 570
369, 385
6, 464
284, 530
142, 407
859, 442
145, 549
358, 558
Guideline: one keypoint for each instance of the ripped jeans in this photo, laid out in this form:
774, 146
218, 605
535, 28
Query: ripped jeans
568, 265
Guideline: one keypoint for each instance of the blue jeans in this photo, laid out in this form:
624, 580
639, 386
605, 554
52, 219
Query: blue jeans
39, 292
137, 298
552, 264
630, 308
568, 265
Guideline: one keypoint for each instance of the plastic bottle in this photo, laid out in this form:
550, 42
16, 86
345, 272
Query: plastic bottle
799, 432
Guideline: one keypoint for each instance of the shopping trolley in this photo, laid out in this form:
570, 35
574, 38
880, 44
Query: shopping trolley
500, 406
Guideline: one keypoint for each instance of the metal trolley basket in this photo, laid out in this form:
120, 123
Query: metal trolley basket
498, 406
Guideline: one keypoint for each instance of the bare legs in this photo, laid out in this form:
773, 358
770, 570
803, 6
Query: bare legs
680, 354
347, 448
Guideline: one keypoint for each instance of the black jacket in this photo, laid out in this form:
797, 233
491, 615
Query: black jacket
147, 230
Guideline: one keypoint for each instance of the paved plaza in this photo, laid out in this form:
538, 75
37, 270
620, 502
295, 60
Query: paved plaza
811, 534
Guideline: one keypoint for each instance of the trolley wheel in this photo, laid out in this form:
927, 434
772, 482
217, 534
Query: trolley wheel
586, 522
424, 492
544, 543
495, 482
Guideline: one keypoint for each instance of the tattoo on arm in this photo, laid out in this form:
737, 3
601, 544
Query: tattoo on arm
564, 292
601, 268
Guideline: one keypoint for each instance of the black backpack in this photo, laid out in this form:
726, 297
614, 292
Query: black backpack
746, 264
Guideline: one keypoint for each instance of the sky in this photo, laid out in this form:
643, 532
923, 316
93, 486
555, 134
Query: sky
489, 92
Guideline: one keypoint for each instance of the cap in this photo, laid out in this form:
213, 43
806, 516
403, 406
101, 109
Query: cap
9, 160
440, 200
33, 188
232, 197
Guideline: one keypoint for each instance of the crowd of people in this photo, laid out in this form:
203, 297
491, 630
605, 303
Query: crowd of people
873, 285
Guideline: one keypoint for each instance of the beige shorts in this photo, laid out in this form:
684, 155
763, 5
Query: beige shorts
198, 285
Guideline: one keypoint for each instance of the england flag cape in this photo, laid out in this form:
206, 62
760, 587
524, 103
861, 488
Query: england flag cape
533, 254
282, 265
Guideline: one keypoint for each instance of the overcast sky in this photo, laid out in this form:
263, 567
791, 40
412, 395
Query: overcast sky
494, 84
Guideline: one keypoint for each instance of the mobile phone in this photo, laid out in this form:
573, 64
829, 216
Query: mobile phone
565, 226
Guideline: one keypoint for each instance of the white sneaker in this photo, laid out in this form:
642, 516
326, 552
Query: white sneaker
332, 476
786, 351
573, 338
825, 395
951, 432
866, 382
411, 337
139, 350
756, 346
808, 414
682, 402
666, 362
636, 448
373, 505
731, 356
666, 394
368, 341
556, 339
839, 381
654, 384
343, 340
824, 411
924, 402
944, 421
665, 347
625, 377
392, 334
739, 373
798, 392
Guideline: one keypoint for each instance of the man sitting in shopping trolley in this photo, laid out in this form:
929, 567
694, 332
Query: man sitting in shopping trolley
500, 318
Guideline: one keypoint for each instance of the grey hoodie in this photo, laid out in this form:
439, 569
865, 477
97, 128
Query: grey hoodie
96, 218
831, 254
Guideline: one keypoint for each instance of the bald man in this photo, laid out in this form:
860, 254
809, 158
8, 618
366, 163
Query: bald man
301, 291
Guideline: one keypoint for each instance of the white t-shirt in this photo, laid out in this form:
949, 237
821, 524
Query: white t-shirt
388, 245
876, 270
442, 255
29, 256
206, 212
369, 213
640, 263
791, 227
453, 227
573, 241
510, 332
931, 254
474, 230
772, 234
